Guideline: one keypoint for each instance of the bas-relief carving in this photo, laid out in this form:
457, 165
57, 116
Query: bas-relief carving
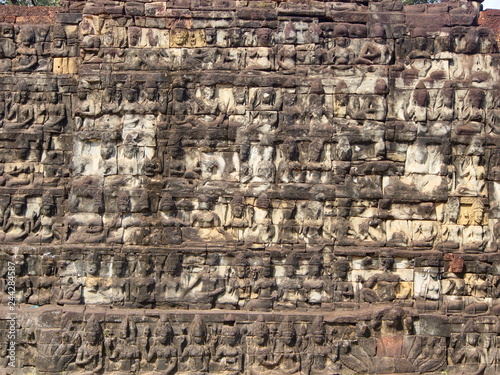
302, 148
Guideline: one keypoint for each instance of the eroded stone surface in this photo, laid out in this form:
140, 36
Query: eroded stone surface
251, 187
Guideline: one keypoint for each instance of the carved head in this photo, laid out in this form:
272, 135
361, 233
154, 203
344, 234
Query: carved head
19, 205
291, 264
264, 37
180, 37
173, 264
198, 330
27, 35
477, 210
260, 331
48, 205
318, 330
287, 331
119, 266
240, 266
230, 335
315, 265
93, 331
164, 332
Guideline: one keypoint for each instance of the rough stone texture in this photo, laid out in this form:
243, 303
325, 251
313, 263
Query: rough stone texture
251, 187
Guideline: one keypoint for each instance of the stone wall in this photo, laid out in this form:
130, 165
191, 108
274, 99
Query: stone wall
250, 187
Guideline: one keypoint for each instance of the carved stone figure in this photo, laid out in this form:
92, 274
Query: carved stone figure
125, 350
163, 352
322, 358
230, 354
196, 355
261, 359
286, 353
90, 355
381, 287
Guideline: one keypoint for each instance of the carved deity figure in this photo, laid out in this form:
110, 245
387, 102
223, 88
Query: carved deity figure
230, 354
163, 352
315, 285
142, 284
27, 59
196, 355
376, 51
44, 285
287, 357
238, 286
90, 355
45, 226
56, 114
20, 112
322, 358
16, 224
341, 288
264, 289
341, 54
260, 350
125, 350
381, 287
290, 289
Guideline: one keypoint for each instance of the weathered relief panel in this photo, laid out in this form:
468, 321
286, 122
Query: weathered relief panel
250, 187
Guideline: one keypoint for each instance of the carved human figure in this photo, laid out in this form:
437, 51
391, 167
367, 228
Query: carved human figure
381, 287
45, 227
66, 352
163, 352
322, 358
170, 289
454, 288
260, 350
142, 284
125, 350
204, 288
230, 353
16, 224
23, 283
469, 352
27, 58
56, 114
240, 213
264, 289
376, 51
44, 284
207, 220
391, 325
20, 112
85, 107
310, 217
430, 287
286, 58
238, 286
179, 37
341, 288
417, 106
287, 357
70, 292
290, 289
315, 286
196, 355
90, 355
262, 57
341, 54
95, 285
119, 286
318, 117
182, 108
